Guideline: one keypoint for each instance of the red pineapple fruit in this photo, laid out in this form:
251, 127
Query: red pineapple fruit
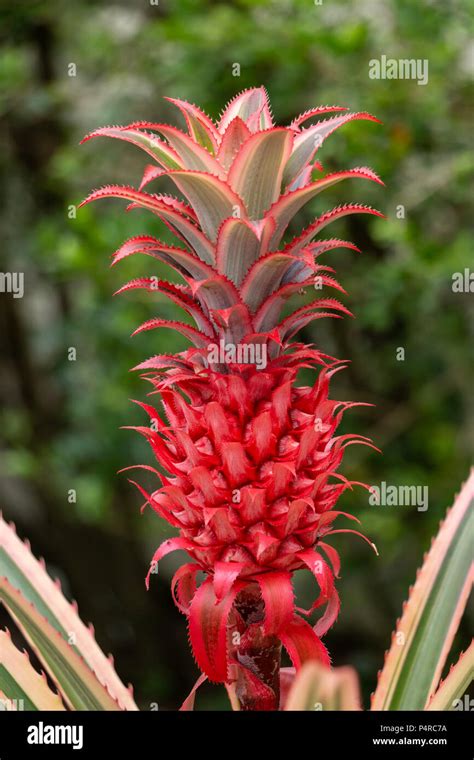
251, 459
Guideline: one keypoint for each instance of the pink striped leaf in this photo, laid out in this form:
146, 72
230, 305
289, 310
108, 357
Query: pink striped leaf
196, 337
47, 620
308, 142
237, 249
303, 316
288, 205
211, 198
264, 278
297, 244
23, 685
245, 105
157, 149
456, 684
317, 687
431, 616
234, 136
296, 123
257, 170
182, 261
173, 217
192, 155
267, 314
200, 126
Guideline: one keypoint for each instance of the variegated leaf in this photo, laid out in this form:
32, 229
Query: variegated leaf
237, 248
257, 170
264, 277
430, 619
182, 261
245, 105
320, 688
235, 322
308, 142
179, 294
318, 111
42, 608
216, 292
306, 314
20, 683
192, 155
78, 684
297, 244
199, 339
456, 684
137, 198
288, 205
212, 199
268, 313
200, 126
155, 148
234, 136
179, 224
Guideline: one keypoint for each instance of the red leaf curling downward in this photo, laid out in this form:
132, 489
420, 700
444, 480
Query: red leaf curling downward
208, 622
278, 597
302, 644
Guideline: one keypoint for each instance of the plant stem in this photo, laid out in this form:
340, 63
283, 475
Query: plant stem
257, 685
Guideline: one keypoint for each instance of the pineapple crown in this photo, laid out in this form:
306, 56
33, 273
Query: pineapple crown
243, 181
250, 458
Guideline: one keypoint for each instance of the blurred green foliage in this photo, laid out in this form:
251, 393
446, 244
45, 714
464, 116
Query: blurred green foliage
60, 419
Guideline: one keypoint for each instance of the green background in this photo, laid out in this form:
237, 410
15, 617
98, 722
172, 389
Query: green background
60, 419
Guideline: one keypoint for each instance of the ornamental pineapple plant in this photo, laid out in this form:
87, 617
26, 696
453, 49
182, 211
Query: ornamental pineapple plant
249, 459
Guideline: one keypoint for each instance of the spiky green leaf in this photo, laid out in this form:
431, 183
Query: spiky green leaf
42, 610
431, 616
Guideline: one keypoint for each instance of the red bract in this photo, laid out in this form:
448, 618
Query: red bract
251, 458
